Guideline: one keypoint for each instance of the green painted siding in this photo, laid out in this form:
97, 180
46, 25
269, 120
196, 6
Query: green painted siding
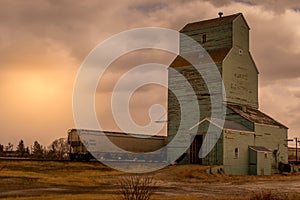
252, 162
240, 78
240, 75
264, 163
176, 114
215, 156
273, 138
260, 162
216, 37
240, 34
252, 157
204, 101
232, 140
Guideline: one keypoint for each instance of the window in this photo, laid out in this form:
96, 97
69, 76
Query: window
266, 155
236, 152
241, 51
204, 38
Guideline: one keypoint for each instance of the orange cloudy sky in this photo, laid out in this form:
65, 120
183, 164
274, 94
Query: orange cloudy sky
43, 43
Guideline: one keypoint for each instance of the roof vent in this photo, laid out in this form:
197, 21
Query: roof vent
220, 14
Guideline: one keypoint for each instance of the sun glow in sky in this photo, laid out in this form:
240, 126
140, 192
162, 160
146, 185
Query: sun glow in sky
43, 44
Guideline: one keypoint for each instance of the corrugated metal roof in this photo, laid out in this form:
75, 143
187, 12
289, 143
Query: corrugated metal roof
117, 133
224, 124
260, 148
227, 124
209, 23
255, 116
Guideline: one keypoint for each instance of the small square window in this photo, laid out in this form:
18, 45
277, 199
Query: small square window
266, 155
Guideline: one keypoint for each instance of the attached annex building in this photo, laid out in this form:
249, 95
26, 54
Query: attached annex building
251, 142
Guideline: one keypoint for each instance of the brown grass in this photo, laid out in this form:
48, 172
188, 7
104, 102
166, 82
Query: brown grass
73, 180
273, 195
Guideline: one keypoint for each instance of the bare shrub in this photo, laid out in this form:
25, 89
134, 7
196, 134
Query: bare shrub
269, 195
136, 187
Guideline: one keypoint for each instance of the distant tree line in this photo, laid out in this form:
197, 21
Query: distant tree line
58, 150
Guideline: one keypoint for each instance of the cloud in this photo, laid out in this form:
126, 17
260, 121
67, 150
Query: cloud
50, 39
275, 44
149, 7
296, 93
278, 100
267, 5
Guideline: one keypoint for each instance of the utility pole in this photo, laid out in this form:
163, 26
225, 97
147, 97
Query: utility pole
296, 139
296, 149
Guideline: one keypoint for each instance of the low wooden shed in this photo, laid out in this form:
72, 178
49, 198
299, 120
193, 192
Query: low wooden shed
260, 160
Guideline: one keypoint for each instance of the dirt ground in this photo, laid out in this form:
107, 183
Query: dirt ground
71, 180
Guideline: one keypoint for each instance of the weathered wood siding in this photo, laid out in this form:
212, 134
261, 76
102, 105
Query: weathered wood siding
240, 78
215, 156
240, 34
216, 37
264, 163
176, 115
240, 74
203, 97
273, 138
232, 140
252, 162
260, 162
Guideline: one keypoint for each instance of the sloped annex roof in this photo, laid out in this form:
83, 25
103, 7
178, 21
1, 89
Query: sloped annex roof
217, 56
210, 23
260, 149
255, 116
224, 124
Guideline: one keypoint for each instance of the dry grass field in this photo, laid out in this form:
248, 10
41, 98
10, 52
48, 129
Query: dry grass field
74, 180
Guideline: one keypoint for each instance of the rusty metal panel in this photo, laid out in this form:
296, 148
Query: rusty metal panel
255, 116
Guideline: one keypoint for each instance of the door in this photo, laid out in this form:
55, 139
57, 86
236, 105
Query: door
194, 150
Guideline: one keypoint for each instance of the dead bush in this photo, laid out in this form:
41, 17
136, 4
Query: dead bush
136, 187
269, 195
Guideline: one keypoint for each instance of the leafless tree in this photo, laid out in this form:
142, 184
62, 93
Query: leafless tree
58, 149
9, 147
136, 187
